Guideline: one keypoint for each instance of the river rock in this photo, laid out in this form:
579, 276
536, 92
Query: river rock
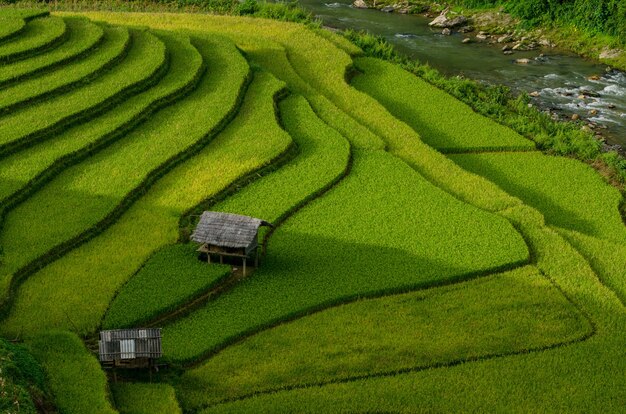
505, 39
589, 93
388, 9
611, 106
575, 117
523, 61
534, 94
545, 42
444, 22
506, 48
508, 52
593, 112
466, 29
481, 37
446, 32
359, 4
594, 77
610, 53
467, 40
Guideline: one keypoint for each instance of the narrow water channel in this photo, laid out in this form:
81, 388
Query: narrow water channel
563, 80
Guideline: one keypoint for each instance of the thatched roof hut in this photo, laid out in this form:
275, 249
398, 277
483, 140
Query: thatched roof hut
227, 234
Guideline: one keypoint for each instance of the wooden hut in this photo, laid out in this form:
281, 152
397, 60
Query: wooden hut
130, 348
231, 235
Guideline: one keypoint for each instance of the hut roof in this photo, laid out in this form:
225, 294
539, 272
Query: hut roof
227, 230
130, 344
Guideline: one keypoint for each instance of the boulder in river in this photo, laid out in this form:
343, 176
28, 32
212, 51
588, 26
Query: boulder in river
388, 9
446, 32
504, 39
467, 40
443, 21
360, 4
610, 53
466, 29
481, 37
523, 61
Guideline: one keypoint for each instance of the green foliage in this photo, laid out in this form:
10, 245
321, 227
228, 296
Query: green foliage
83, 37
288, 12
145, 398
38, 34
372, 45
383, 229
21, 379
171, 278
73, 373
81, 282
594, 16
441, 120
322, 159
504, 314
567, 192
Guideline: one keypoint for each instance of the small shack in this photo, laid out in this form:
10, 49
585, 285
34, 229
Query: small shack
130, 348
231, 235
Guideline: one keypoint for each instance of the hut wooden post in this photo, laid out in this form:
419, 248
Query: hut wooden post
230, 235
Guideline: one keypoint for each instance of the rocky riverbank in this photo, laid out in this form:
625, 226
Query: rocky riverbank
498, 28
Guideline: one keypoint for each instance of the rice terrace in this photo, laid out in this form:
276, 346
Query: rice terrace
403, 251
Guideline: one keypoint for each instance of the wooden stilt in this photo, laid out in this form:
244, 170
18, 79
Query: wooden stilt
256, 257
221, 259
244, 266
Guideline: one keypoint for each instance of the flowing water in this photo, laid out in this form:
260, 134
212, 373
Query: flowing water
563, 80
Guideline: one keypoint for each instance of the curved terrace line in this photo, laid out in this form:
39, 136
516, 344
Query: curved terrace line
152, 177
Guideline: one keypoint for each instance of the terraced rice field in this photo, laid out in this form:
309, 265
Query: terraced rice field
423, 258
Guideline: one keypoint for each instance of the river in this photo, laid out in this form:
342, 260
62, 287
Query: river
560, 78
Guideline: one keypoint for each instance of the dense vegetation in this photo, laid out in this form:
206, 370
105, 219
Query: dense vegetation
395, 272
596, 16
22, 381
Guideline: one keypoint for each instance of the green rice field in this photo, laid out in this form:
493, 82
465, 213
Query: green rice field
421, 258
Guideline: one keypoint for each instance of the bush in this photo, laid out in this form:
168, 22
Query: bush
21, 379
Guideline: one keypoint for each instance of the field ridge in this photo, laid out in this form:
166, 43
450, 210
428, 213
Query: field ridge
61, 249
54, 39
9, 75
87, 113
75, 157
